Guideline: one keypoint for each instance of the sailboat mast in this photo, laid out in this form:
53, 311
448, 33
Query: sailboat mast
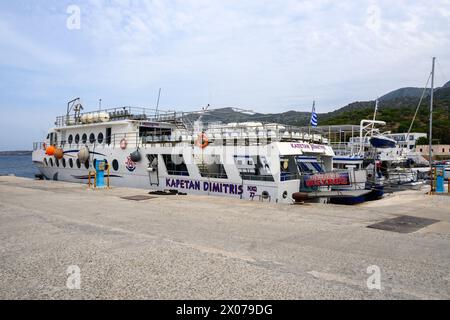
374, 117
157, 103
430, 138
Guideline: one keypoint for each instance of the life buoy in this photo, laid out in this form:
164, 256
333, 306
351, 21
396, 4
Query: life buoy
202, 140
123, 144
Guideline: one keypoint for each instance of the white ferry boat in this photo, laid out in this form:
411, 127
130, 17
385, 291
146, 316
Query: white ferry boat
163, 151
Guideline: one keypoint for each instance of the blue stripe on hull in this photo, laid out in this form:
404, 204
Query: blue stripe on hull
381, 142
375, 194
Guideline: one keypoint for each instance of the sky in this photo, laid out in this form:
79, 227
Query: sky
267, 56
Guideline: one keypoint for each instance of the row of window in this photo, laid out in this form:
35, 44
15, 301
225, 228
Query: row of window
100, 138
71, 163
250, 168
84, 138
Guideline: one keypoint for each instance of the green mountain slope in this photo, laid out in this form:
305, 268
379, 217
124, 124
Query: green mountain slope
408, 92
396, 111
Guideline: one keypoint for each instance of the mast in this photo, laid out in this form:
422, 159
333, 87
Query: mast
374, 117
157, 103
430, 138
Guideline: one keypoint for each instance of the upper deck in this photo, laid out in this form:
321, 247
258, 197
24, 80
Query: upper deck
152, 127
124, 113
184, 126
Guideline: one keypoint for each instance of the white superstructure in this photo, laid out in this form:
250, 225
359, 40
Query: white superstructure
243, 160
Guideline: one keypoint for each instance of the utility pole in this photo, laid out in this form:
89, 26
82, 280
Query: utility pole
430, 138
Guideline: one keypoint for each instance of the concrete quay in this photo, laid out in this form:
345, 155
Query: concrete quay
200, 247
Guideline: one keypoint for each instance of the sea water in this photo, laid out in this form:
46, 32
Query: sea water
18, 165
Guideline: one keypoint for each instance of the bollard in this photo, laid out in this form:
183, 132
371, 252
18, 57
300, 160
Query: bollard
107, 178
89, 179
90, 174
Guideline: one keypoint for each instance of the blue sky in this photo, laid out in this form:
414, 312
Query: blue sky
268, 56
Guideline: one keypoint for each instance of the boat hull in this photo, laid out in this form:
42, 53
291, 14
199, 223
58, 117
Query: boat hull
382, 142
374, 194
136, 175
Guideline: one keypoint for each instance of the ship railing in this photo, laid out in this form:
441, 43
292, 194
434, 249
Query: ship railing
117, 114
133, 139
343, 148
38, 145
226, 137
274, 131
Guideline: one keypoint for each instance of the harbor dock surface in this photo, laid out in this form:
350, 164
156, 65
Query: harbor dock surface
200, 247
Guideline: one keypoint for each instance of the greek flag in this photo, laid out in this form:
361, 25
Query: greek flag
314, 116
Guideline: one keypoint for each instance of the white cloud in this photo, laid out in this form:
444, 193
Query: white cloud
17, 49
259, 54
265, 55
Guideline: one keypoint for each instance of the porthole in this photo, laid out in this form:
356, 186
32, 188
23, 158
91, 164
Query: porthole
77, 138
100, 138
115, 165
64, 162
57, 162
51, 162
94, 163
70, 139
84, 138
78, 164
71, 163
45, 162
92, 138
86, 164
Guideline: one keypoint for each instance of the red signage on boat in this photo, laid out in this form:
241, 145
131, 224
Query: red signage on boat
327, 179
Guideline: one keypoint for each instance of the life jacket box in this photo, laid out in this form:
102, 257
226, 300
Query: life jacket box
440, 178
100, 166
